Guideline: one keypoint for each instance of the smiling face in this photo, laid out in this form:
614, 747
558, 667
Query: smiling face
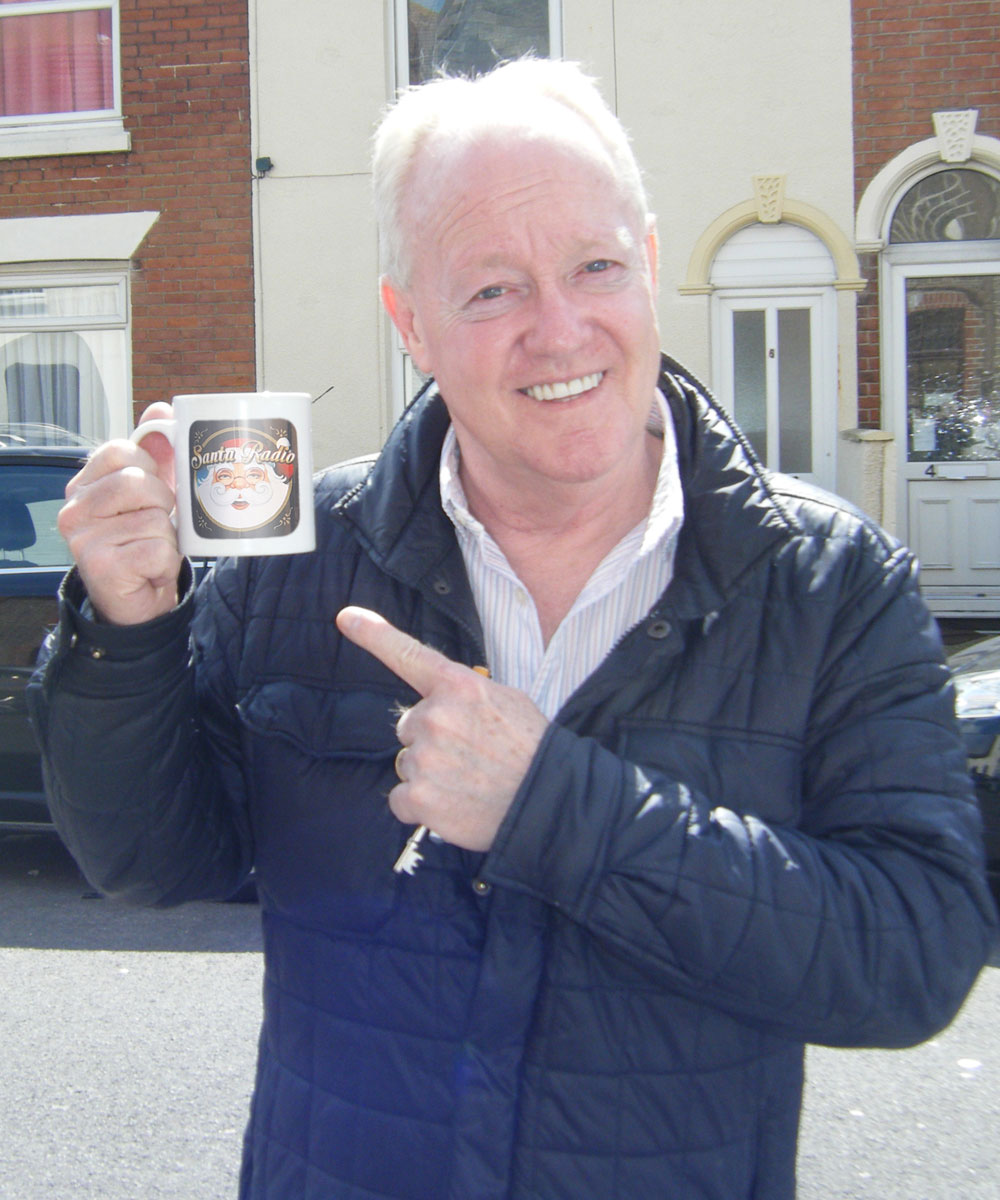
531, 301
242, 493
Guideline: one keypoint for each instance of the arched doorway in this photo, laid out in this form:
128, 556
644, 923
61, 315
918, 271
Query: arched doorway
774, 345
940, 288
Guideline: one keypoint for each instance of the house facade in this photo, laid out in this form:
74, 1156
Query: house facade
126, 250
755, 206
824, 178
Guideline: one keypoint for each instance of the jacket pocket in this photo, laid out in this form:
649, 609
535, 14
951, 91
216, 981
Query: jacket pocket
323, 723
320, 766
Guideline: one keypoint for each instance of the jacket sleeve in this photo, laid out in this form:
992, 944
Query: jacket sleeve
863, 923
139, 754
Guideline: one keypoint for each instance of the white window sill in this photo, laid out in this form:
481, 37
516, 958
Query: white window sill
94, 137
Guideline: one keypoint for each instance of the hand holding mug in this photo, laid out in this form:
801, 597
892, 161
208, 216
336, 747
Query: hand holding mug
117, 524
241, 466
243, 472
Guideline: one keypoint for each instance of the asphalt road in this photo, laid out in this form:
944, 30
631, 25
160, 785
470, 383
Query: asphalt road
128, 1038
128, 1042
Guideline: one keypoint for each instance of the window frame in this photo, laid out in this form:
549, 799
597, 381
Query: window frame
401, 38
89, 132
118, 389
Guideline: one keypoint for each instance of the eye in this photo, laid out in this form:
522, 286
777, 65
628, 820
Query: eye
223, 476
494, 292
598, 265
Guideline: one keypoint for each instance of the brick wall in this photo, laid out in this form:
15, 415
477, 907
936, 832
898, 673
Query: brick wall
910, 60
185, 101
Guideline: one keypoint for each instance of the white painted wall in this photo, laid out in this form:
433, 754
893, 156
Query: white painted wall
319, 80
716, 93
712, 94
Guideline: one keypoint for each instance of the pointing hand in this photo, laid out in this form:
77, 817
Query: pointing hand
467, 744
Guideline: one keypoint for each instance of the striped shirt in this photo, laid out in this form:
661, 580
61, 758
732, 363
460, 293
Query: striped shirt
620, 592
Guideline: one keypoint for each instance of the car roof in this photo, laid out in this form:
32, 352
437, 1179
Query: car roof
981, 656
35, 436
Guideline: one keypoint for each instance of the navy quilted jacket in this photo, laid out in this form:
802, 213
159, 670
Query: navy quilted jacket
749, 829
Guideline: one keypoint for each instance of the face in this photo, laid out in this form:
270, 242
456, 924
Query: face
240, 495
531, 301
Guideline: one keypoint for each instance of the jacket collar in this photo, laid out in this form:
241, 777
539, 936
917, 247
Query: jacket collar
733, 517
397, 516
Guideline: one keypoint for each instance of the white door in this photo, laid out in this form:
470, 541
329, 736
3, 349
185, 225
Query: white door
774, 371
942, 381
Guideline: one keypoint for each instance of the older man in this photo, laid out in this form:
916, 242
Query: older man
709, 806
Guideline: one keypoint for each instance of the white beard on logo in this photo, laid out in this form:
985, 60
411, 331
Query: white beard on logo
242, 509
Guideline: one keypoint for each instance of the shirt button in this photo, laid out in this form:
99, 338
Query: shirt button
481, 887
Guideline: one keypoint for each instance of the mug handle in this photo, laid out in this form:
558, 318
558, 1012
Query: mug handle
157, 425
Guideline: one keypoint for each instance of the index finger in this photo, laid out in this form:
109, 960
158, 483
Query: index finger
106, 459
414, 663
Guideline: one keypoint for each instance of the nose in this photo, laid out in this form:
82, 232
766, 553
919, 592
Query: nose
559, 325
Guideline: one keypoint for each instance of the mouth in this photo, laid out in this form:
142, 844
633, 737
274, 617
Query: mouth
564, 390
240, 505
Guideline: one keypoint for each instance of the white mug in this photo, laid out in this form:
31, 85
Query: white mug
243, 472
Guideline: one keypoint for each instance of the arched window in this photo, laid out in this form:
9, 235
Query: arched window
959, 205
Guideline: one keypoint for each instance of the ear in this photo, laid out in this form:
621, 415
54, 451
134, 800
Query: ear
399, 305
652, 250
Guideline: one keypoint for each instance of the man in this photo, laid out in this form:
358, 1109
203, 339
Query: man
709, 807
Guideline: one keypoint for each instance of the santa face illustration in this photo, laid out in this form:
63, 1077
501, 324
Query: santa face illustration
243, 492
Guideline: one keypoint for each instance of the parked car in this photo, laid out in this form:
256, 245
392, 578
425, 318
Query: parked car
36, 463
976, 671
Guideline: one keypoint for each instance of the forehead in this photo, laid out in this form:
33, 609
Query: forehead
474, 201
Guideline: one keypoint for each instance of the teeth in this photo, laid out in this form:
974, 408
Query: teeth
566, 390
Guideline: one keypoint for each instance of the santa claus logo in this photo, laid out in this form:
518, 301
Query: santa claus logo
243, 480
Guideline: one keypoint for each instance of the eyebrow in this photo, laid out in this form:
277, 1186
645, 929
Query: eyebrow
584, 248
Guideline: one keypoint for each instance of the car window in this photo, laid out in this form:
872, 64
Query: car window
30, 499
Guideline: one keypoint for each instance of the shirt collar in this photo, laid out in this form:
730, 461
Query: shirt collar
666, 512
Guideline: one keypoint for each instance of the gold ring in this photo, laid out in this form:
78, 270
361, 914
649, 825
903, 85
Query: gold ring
399, 758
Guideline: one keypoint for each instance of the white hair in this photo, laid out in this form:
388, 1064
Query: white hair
529, 95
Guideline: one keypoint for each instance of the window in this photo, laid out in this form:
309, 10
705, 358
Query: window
64, 352
948, 206
953, 367
30, 500
470, 36
60, 77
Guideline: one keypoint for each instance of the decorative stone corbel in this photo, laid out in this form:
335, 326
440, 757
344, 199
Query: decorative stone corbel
955, 129
769, 193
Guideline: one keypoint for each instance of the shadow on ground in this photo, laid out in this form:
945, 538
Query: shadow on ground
46, 904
